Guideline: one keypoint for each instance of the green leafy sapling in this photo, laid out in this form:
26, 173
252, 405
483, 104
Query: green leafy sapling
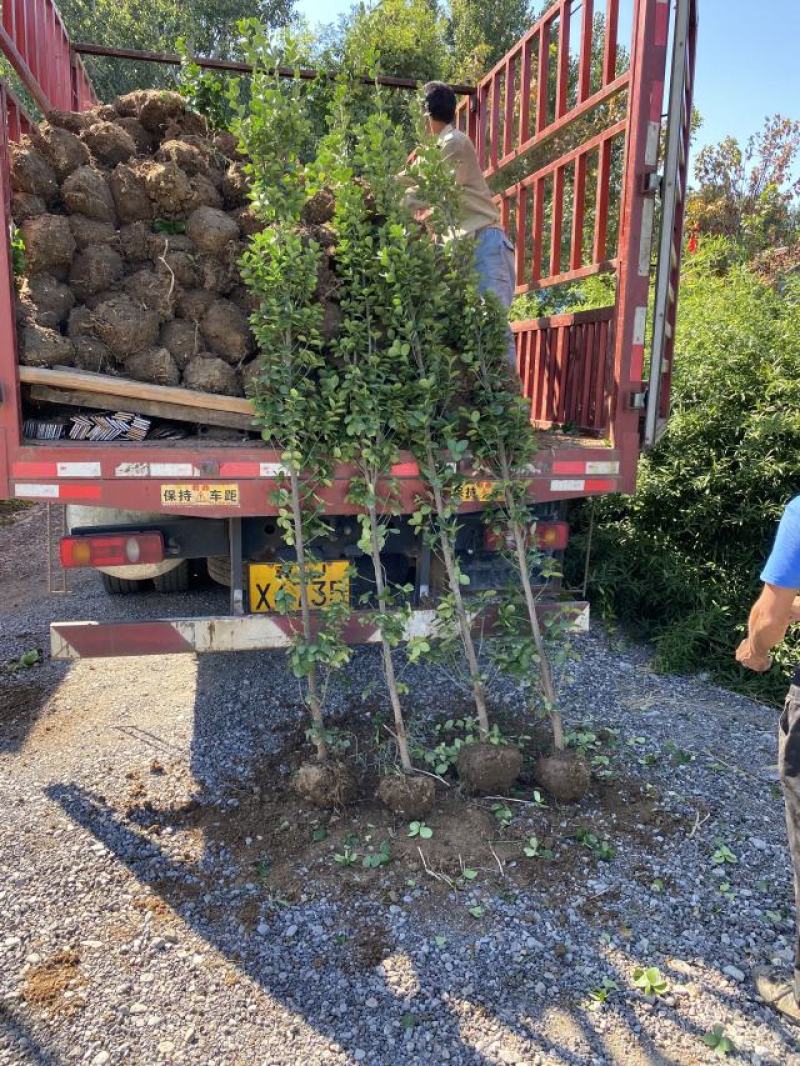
374, 382
294, 395
425, 300
497, 426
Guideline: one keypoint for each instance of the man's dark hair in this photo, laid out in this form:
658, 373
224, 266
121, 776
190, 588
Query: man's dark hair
440, 101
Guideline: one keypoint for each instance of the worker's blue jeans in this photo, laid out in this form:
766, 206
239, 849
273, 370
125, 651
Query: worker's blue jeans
496, 268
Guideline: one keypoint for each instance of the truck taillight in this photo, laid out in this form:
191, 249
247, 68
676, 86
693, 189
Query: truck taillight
549, 536
111, 549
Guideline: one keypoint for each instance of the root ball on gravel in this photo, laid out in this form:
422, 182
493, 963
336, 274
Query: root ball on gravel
564, 775
325, 785
406, 795
489, 768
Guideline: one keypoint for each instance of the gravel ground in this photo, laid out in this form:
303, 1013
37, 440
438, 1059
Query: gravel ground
132, 935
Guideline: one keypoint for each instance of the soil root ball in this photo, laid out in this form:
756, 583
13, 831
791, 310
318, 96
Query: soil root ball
210, 229
153, 291
168, 187
64, 151
130, 104
193, 304
109, 143
74, 121
134, 242
30, 172
319, 209
86, 192
489, 768
89, 232
125, 326
49, 244
226, 331
407, 796
130, 194
158, 109
155, 365
144, 141
188, 157
327, 785
95, 269
207, 373
235, 186
564, 775
204, 192
182, 340
52, 300
92, 354
247, 220
40, 346
26, 205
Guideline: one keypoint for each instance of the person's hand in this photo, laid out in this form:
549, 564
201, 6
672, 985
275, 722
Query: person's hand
794, 616
745, 655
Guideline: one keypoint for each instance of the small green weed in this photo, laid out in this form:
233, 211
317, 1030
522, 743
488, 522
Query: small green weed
719, 1043
533, 849
381, 857
419, 829
503, 813
723, 854
346, 857
650, 981
600, 995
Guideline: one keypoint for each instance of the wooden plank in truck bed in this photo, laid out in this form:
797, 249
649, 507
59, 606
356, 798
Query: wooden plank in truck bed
152, 408
127, 389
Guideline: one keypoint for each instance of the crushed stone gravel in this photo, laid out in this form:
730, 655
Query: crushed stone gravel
122, 942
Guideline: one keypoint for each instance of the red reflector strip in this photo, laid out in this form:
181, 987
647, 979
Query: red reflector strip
19, 470
600, 484
405, 470
239, 469
79, 492
569, 466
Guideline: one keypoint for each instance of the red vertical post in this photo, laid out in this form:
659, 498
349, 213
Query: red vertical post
495, 119
537, 229
562, 82
585, 61
542, 77
610, 43
648, 61
578, 209
557, 221
10, 417
521, 236
511, 96
601, 201
525, 91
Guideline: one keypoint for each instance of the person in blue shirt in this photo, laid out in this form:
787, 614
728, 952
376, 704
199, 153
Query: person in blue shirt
770, 617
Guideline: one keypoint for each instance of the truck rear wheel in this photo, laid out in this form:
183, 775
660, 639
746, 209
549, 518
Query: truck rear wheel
176, 580
121, 586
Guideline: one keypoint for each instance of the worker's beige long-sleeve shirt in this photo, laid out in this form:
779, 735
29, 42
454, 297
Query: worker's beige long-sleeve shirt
477, 208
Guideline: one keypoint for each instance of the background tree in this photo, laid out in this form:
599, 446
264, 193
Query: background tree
479, 34
749, 194
208, 26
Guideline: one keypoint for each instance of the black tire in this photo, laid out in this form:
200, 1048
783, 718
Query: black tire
121, 586
219, 569
175, 580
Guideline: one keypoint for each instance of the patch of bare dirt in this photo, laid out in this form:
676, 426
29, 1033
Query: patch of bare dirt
48, 982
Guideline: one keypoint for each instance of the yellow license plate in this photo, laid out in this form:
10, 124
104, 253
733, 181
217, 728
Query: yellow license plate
275, 586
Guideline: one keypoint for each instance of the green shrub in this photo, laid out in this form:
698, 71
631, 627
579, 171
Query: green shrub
680, 560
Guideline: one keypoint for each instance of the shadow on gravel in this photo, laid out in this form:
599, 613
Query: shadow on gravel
21, 703
18, 1035
181, 887
187, 891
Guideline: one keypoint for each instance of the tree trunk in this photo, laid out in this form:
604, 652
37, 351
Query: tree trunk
461, 612
518, 533
388, 662
314, 704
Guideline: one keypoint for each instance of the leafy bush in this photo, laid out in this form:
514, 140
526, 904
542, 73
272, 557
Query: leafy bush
680, 560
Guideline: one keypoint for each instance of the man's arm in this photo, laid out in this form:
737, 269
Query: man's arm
770, 617
776, 608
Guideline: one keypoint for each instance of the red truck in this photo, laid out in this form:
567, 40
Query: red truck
585, 150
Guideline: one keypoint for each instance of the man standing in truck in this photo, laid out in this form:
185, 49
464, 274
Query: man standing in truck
770, 617
479, 218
